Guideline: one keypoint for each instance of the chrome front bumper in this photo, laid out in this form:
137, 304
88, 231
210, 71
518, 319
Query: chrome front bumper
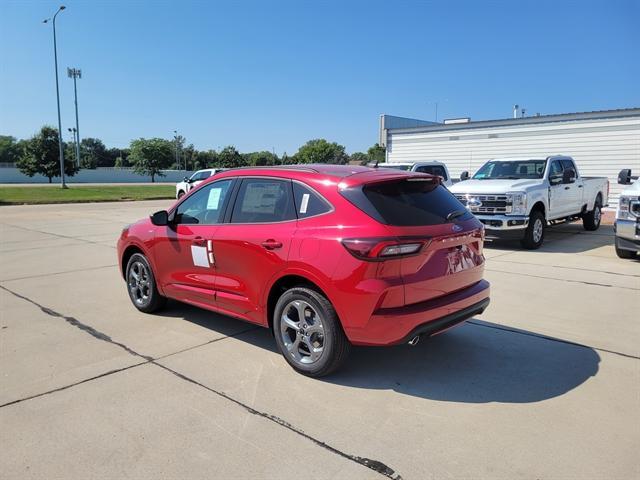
503, 223
627, 234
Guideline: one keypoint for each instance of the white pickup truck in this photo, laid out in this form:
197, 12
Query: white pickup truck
627, 225
189, 183
432, 167
520, 197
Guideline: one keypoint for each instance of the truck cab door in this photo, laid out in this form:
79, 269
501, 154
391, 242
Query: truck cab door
558, 194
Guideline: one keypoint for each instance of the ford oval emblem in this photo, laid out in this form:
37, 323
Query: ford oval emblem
456, 228
474, 203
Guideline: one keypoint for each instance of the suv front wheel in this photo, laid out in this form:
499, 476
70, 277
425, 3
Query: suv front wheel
308, 332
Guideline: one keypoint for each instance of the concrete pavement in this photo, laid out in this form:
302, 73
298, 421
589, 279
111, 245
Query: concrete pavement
545, 384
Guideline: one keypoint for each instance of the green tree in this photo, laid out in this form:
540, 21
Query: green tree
321, 151
261, 159
360, 157
116, 157
205, 159
151, 156
376, 153
10, 149
41, 156
93, 153
229, 157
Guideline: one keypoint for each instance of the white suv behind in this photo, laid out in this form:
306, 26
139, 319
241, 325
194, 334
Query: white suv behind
194, 180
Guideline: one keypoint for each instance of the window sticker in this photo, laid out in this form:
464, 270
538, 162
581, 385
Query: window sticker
214, 199
199, 256
305, 203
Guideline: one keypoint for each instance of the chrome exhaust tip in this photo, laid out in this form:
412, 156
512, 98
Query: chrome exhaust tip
414, 341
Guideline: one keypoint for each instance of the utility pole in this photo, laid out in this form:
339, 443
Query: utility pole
55, 59
175, 138
76, 73
75, 142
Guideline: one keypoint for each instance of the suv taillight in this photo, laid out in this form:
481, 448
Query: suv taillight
373, 249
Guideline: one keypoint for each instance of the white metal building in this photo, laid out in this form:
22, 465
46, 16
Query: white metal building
602, 143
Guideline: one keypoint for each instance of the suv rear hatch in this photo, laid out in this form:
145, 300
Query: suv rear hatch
442, 241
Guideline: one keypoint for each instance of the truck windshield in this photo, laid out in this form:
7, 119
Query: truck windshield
396, 167
515, 169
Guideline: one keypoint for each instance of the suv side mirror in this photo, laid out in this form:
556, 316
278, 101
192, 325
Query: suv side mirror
624, 177
160, 218
186, 179
464, 176
569, 175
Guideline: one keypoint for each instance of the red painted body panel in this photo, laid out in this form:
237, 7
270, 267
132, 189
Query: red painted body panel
378, 302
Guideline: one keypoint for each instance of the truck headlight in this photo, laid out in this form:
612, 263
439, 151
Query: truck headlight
628, 208
518, 203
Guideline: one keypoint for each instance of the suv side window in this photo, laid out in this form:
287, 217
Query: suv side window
205, 206
555, 171
433, 170
308, 202
263, 200
201, 176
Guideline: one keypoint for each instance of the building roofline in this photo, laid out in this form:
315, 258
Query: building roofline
562, 117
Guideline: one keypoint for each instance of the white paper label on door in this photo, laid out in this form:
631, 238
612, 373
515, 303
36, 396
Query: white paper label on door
305, 203
214, 199
199, 256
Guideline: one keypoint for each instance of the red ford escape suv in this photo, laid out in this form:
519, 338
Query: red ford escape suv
326, 256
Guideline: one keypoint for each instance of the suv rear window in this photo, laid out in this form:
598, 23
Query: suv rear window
409, 202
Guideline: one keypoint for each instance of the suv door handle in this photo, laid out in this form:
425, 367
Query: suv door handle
271, 244
198, 241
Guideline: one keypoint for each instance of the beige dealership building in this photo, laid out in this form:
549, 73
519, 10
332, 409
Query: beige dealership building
602, 143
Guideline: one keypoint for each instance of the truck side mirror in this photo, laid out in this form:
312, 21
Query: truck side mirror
624, 177
160, 218
569, 175
464, 176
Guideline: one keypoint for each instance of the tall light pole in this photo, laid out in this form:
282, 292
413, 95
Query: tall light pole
76, 73
176, 140
55, 59
75, 143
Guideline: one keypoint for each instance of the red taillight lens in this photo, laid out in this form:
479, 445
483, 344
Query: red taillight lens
382, 249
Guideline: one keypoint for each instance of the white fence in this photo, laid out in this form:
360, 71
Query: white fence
10, 174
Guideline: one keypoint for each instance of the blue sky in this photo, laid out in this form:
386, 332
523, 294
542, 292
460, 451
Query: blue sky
274, 74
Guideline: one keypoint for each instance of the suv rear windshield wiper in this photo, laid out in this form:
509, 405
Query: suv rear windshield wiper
455, 214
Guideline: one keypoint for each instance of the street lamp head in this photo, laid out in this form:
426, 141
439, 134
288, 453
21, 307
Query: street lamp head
62, 7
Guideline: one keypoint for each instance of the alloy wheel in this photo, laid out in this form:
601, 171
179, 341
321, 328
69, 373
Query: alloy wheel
302, 332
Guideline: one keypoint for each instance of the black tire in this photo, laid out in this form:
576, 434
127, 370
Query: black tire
534, 233
143, 290
591, 220
626, 254
180, 194
335, 346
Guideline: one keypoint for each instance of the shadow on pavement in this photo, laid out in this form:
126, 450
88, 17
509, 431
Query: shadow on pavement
478, 362
568, 238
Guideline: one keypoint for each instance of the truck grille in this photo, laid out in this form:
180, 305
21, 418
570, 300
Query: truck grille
488, 204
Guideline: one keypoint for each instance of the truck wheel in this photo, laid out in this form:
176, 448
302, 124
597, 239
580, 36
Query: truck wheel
622, 253
534, 234
591, 220
308, 332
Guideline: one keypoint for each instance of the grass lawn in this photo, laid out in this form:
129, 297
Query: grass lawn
79, 194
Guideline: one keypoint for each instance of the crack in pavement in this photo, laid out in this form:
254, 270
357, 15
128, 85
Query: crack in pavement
568, 268
583, 282
374, 465
59, 235
551, 339
59, 273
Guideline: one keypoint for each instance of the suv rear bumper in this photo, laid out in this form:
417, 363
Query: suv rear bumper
392, 326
